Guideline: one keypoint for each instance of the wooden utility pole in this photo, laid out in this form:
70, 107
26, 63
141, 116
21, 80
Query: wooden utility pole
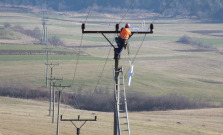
115, 92
116, 100
44, 32
60, 88
51, 78
44, 39
78, 119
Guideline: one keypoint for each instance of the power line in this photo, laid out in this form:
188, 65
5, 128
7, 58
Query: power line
77, 59
81, 44
79, 51
110, 48
167, 5
127, 11
99, 79
89, 11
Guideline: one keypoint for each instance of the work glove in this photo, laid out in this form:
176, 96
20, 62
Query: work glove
125, 45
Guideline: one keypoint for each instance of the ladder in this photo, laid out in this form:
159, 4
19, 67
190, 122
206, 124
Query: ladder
121, 104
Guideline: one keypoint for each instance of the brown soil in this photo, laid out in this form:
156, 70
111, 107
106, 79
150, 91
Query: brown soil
36, 52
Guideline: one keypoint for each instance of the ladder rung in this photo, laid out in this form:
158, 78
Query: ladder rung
125, 130
121, 97
123, 117
123, 123
122, 111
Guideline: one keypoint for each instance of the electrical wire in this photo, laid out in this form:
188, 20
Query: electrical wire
99, 79
110, 48
77, 60
89, 10
81, 44
167, 5
127, 11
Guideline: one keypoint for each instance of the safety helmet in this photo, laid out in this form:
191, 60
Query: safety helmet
127, 25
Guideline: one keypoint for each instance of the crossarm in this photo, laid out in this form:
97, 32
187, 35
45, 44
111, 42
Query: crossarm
117, 31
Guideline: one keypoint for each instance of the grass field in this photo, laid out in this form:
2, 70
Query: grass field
25, 117
162, 66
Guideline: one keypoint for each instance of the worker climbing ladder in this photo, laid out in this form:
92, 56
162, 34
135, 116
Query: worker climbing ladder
121, 103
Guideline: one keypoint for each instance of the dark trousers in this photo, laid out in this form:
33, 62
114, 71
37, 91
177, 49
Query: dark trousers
120, 42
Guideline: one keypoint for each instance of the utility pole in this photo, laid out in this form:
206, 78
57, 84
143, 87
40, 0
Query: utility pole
116, 89
51, 77
60, 88
53, 80
44, 39
78, 119
44, 32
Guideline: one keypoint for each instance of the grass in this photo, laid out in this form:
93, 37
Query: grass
159, 68
27, 117
7, 34
21, 47
42, 57
33, 48
217, 42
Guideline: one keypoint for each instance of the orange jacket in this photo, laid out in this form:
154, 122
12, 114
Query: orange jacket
125, 33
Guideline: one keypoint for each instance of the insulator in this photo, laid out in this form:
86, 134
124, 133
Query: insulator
151, 26
83, 26
117, 27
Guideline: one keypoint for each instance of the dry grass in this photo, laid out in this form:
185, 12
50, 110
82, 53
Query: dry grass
25, 117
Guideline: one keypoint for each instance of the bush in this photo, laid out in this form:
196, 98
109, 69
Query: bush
55, 41
6, 25
24, 92
189, 41
102, 101
35, 33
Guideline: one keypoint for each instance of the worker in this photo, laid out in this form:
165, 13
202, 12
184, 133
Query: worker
122, 40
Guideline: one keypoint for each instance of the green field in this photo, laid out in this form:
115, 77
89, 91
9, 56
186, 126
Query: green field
162, 66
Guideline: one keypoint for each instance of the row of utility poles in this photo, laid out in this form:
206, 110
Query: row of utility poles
60, 89
53, 84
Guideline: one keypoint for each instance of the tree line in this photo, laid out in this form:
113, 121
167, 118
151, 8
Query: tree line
100, 100
208, 9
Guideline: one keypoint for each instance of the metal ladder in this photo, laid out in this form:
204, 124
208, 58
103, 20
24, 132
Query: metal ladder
121, 104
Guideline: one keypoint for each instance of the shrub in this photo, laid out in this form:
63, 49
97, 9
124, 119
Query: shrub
102, 101
6, 25
55, 41
189, 41
35, 33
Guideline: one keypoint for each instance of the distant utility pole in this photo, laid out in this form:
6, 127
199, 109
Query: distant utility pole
44, 40
51, 77
60, 88
78, 119
44, 32
53, 80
